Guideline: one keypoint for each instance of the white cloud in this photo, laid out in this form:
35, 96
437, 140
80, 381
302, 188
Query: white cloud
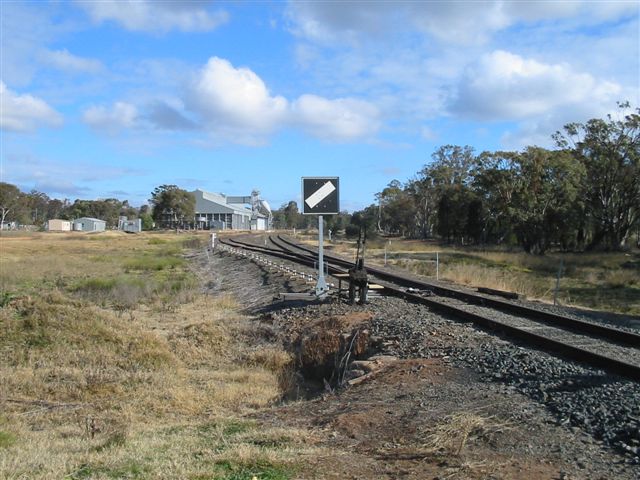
234, 103
235, 99
121, 115
156, 16
63, 60
505, 86
25, 113
342, 119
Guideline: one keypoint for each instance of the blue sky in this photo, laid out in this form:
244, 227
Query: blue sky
112, 98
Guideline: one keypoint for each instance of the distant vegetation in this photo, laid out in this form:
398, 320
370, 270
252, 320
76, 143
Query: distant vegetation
35, 208
585, 195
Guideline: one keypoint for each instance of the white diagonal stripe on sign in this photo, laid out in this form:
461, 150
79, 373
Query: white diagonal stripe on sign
320, 194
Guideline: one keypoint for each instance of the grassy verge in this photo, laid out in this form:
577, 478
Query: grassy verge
113, 365
602, 281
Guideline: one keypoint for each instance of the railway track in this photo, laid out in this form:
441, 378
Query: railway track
611, 349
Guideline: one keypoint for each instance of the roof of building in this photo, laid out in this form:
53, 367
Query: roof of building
90, 218
221, 200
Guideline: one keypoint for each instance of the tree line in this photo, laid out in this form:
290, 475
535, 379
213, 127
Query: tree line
583, 195
36, 208
169, 207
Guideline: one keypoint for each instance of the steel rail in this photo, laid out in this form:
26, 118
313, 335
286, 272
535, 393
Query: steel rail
612, 365
594, 359
603, 331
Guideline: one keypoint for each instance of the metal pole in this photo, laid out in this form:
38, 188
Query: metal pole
321, 286
437, 265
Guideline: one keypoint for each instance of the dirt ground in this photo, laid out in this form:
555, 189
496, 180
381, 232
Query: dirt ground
409, 418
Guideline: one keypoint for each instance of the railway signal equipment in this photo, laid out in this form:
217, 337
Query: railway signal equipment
320, 196
358, 274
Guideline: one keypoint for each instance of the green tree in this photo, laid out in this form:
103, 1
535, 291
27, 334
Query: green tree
10, 203
291, 215
147, 221
173, 207
337, 223
610, 152
424, 196
366, 219
495, 179
547, 191
446, 183
35, 207
396, 210
57, 209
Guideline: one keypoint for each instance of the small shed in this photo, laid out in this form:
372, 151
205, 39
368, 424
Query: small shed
57, 225
130, 226
87, 224
259, 222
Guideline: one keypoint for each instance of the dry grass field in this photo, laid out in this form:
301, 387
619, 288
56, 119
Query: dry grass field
113, 365
600, 281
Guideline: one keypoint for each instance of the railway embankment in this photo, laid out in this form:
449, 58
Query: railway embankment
447, 399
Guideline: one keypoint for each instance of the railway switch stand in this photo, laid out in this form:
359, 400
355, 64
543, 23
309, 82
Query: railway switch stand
358, 274
358, 280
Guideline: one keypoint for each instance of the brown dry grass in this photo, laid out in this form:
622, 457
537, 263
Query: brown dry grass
603, 281
158, 392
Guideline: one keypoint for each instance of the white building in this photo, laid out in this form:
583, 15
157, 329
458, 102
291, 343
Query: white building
88, 224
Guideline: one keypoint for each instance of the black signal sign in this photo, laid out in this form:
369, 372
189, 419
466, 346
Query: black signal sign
320, 195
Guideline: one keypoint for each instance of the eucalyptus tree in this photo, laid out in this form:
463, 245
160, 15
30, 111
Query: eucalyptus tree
396, 210
10, 203
610, 152
449, 177
548, 187
172, 206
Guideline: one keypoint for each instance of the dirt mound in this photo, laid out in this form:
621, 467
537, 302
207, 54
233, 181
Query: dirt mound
327, 345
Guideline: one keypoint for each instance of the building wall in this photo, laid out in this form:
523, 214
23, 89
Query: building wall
213, 212
259, 223
89, 225
57, 225
133, 226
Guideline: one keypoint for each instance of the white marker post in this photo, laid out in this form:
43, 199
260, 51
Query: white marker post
320, 197
321, 286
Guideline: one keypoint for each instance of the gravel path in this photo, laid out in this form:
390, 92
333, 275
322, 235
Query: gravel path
605, 406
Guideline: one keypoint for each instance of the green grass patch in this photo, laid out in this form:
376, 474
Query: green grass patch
157, 241
153, 263
6, 439
129, 470
261, 470
5, 298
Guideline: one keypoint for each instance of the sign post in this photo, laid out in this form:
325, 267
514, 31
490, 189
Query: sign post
320, 197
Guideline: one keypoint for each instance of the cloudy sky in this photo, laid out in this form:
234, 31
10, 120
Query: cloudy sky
111, 98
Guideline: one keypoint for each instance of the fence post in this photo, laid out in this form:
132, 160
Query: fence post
555, 292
